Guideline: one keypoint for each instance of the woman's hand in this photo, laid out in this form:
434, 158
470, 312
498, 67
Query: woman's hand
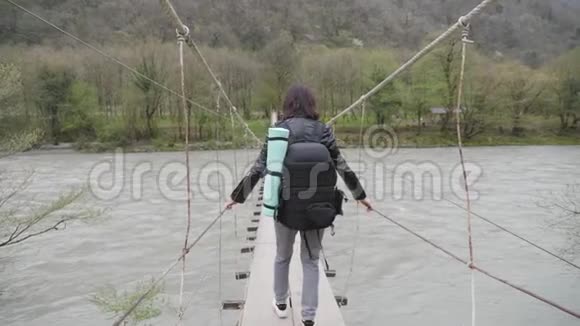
366, 203
230, 203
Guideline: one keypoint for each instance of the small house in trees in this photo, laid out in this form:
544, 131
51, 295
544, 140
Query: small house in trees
436, 113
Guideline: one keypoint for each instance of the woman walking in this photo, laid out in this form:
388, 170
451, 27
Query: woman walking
304, 207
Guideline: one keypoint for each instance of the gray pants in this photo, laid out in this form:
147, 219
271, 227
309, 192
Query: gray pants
284, 243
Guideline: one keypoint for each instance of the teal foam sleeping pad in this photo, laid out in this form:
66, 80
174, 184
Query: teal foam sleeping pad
277, 146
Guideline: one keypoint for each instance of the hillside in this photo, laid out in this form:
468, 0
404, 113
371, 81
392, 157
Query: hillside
533, 30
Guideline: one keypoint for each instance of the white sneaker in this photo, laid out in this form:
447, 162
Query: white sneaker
281, 309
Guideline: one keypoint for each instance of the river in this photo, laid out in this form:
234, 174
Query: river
396, 279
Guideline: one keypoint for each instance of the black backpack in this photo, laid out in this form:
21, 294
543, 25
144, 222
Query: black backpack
309, 199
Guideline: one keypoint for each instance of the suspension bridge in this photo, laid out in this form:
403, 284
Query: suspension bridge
256, 307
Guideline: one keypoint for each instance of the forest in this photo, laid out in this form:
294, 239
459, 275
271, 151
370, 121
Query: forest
522, 75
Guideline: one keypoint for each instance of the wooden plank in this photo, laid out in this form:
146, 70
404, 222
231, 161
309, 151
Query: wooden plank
258, 306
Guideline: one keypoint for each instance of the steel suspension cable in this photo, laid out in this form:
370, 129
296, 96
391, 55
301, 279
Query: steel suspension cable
508, 231
516, 235
106, 55
482, 271
220, 232
187, 247
462, 22
162, 276
185, 252
166, 4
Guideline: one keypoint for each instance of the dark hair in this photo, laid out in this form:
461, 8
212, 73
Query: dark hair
300, 102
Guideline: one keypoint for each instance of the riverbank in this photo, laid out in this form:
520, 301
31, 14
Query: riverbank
346, 140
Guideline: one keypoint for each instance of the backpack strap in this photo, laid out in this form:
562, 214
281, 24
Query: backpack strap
305, 238
303, 234
322, 250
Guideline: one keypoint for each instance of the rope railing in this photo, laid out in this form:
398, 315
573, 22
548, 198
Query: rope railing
180, 40
464, 41
463, 21
162, 276
219, 202
357, 222
508, 231
475, 267
512, 233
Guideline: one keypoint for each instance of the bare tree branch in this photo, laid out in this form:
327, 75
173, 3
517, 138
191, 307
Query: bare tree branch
54, 227
567, 209
566, 202
4, 198
25, 224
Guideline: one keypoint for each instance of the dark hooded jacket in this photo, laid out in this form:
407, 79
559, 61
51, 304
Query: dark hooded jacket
307, 130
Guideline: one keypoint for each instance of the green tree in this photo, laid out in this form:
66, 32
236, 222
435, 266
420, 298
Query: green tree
422, 90
110, 301
10, 84
281, 60
80, 119
522, 88
480, 99
448, 57
386, 103
152, 95
238, 72
54, 86
335, 75
107, 79
566, 87
10, 97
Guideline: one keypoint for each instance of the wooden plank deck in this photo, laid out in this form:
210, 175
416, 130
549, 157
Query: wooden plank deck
258, 304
